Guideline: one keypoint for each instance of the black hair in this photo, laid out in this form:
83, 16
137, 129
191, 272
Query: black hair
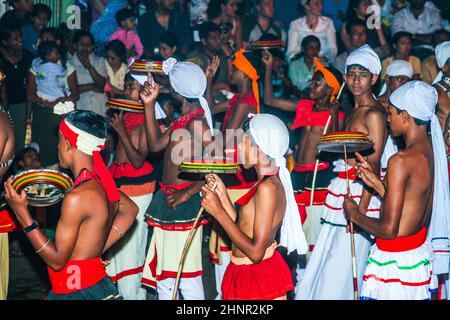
397, 36
118, 48
169, 38
11, 2
129, 77
89, 122
81, 34
24, 151
353, 23
351, 11
270, 37
45, 48
336, 73
418, 122
255, 60
163, 98
214, 8
206, 28
7, 30
123, 15
308, 39
41, 8
54, 31
438, 33
360, 67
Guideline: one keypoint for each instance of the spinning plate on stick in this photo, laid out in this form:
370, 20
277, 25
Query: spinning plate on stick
342, 142
43, 187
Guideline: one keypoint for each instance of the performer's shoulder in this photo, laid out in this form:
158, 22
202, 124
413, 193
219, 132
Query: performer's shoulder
89, 192
376, 111
269, 187
402, 161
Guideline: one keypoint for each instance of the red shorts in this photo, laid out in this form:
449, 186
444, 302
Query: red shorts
267, 280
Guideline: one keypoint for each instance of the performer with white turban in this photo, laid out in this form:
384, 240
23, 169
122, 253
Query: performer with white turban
328, 274
442, 82
174, 206
415, 210
257, 271
397, 73
134, 177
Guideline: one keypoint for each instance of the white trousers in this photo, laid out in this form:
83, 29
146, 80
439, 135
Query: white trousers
190, 288
219, 270
127, 256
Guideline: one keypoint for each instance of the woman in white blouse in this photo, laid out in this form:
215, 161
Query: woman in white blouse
313, 24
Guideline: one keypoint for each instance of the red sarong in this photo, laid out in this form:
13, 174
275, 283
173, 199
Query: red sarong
267, 280
77, 275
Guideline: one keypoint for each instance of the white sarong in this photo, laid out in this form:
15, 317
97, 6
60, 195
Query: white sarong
328, 274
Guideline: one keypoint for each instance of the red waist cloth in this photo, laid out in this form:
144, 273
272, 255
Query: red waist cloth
77, 275
305, 115
400, 244
126, 169
351, 174
6, 222
178, 186
267, 280
310, 167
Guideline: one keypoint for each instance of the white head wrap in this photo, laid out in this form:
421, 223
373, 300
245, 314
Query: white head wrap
86, 142
419, 99
442, 52
366, 57
188, 80
398, 68
272, 137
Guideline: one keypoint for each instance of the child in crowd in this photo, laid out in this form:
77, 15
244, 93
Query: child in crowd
40, 17
403, 45
116, 68
168, 105
168, 46
52, 88
301, 68
50, 74
127, 22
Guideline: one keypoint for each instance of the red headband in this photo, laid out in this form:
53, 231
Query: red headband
99, 168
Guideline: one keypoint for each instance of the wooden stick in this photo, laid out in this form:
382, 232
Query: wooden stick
187, 244
316, 165
352, 235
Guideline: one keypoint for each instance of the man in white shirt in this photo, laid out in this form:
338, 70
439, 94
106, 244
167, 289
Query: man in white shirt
419, 18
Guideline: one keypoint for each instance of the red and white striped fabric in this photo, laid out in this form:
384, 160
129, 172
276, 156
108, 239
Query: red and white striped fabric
399, 269
91, 145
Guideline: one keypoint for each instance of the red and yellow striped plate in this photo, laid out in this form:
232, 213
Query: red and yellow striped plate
126, 105
43, 175
144, 66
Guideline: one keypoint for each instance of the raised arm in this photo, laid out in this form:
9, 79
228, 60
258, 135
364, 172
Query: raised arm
125, 217
148, 94
269, 98
136, 151
73, 87
210, 73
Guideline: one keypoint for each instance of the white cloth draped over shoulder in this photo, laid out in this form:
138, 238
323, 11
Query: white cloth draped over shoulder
419, 99
272, 137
